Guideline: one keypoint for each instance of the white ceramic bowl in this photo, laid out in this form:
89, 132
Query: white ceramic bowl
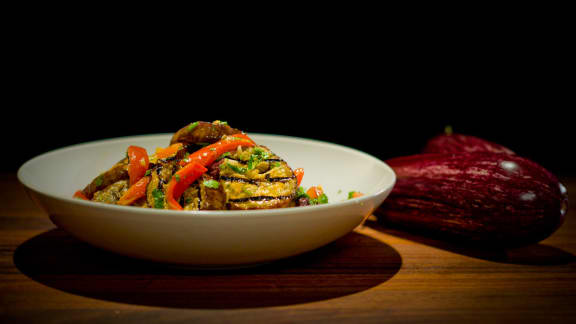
209, 238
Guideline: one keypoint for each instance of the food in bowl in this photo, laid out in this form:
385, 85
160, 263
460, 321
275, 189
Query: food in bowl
209, 238
207, 166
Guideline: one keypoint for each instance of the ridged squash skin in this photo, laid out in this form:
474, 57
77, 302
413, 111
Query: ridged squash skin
455, 143
495, 199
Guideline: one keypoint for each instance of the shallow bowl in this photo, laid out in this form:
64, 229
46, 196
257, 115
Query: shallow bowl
209, 238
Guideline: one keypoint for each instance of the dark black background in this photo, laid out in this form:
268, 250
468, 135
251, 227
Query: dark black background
385, 94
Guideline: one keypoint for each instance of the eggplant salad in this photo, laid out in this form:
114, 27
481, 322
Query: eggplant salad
206, 166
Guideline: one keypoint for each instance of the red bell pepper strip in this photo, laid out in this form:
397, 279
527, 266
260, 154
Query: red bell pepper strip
138, 163
182, 180
80, 195
208, 154
135, 192
299, 173
169, 151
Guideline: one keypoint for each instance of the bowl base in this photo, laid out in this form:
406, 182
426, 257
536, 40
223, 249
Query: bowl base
210, 267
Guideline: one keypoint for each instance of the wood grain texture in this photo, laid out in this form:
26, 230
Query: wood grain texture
372, 275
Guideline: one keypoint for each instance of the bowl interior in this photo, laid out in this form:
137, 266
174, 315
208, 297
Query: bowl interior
336, 168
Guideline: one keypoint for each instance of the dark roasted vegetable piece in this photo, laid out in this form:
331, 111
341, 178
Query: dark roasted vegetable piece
490, 198
212, 195
118, 172
202, 133
112, 193
453, 143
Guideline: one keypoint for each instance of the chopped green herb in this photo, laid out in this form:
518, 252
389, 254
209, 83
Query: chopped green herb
276, 164
258, 155
225, 155
192, 126
302, 193
323, 199
251, 162
177, 177
158, 196
246, 191
234, 168
211, 183
148, 172
98, 182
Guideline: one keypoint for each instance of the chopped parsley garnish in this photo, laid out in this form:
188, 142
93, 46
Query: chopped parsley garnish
211, 183
192, 126
148, 172
98, 182
247, 191
301, 193
233, 168
158, 196
322, 199
225, 155
177, 177
259, 151
258, 155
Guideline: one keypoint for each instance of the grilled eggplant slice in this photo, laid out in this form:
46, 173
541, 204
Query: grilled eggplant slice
256, 178
118, 172
112, 193
203, 133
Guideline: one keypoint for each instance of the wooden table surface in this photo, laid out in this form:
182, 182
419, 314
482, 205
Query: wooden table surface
372, 275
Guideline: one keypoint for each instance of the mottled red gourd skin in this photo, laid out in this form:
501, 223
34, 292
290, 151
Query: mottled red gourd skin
496, 199
454, 143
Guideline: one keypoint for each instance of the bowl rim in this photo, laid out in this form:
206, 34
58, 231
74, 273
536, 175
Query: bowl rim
208, 213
